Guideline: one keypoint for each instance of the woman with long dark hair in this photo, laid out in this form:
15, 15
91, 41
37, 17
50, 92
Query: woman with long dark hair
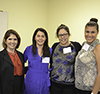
38, 56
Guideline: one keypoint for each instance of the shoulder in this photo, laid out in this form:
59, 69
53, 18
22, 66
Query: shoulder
3, 51
28, 48
77, 45
54, 45
97, 55
97, 48
19, 52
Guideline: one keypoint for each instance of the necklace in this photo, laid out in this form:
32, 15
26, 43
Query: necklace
11, 53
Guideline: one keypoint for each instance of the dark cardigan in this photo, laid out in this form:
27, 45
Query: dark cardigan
76, 45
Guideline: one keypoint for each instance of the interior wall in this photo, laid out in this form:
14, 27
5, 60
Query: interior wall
26, 15
74, 13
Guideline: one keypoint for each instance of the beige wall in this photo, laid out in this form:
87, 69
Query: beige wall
74, 13
26, 15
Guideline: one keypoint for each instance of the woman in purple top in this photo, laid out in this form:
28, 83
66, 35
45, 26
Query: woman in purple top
38, 56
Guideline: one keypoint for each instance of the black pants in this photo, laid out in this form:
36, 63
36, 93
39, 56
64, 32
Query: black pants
83, 92
17, 89
62, 89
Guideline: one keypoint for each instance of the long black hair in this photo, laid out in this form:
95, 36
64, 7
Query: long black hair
46, 50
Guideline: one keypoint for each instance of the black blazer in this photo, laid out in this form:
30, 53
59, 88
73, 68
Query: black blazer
7, 72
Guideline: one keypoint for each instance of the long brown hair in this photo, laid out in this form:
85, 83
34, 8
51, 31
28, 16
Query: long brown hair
46, 51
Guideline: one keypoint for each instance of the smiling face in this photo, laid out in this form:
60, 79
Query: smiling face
40, 38
91, 34
11, 42
63, 37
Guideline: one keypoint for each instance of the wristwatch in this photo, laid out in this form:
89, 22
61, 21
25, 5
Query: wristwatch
92, 93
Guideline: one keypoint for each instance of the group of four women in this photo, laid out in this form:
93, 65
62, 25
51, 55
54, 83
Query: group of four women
65, 68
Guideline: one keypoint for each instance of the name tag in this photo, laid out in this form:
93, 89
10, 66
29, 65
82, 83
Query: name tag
46, 60
67, 50
86, 47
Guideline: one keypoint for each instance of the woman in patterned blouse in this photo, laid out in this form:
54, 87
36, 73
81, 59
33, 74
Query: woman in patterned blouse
87, 65
63, 57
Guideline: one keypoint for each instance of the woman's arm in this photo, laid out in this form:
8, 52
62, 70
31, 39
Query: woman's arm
25, 60
96, 87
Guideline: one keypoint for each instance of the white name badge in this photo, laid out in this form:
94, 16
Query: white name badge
67, 50
86, 47
46, 60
